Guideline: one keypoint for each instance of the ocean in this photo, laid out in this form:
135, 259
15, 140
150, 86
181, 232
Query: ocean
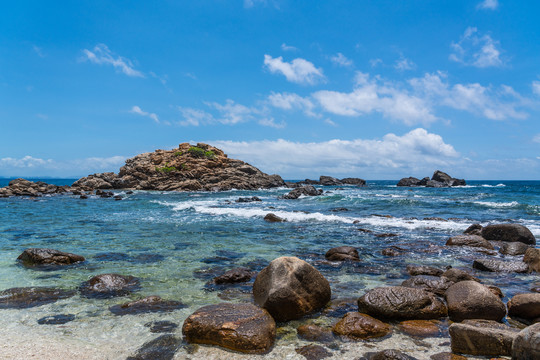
175, 243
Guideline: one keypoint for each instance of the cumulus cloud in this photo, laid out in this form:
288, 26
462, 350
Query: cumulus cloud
32, 166
270, 122
139, 111
299, 70
101, 55
536, 87
498, 103
488, 5
373, 95
474, 49
289, 101
286, 47
229, 113
415, 149
341, 60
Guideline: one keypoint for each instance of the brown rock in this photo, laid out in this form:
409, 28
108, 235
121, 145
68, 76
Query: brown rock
356, 325
414, 270
239, 327
290, 288
513, 248
434, 284
314, 352
27, 297
312, 332
508, 232
469, 240
420, 328
447, 356
472, 300
398, 302
234, 276
273, 218
389, 354
474, 229
532, 259
307, 190
109, 285
457, 275
36, 257
481, 337
342, 253
393, 251
525, 306
526, 345
148, 304
498, 265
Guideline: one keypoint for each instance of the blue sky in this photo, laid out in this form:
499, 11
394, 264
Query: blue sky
375, 89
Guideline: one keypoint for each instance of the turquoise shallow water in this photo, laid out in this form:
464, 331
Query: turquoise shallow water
176, 242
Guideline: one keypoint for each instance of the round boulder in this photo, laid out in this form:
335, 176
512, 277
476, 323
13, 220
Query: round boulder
513, 248
342, 253
508, 232
290, 288
240, 327
457, 275
525, 306
402, 303
355, 325
532, 259
472, 300
526, 345
434, 284
109, 285
38, 257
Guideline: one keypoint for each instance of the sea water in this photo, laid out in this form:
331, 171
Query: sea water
175, 243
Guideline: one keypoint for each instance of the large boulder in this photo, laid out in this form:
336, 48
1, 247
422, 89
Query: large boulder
148, 304
525, 306
526, 345
508, 232
355, 325
482, 338
290, 288
109, 285
401, 303
35, 257
532, 259
434, 284
410, 181
469, 240
498, 265
27, 297
342, 253
446, 179
472, 300
240, 327
354, 181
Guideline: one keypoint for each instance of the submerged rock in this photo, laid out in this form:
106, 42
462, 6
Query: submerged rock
401, 303
314, 352
472, 300
161, 348
56, 319
290, 288
239, 327
312, 332
148, 304
35, 257
163, 326
270, 217
508, 232
109, 285
355, 325
420, 328
233, 276
27, 297
414, 270
389, 354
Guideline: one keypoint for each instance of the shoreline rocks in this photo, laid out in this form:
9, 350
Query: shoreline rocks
23, 187
438, 180
472, 300
37, 257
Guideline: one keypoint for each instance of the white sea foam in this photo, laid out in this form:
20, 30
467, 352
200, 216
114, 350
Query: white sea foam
497, 204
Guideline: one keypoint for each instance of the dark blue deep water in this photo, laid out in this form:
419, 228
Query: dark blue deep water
176, 242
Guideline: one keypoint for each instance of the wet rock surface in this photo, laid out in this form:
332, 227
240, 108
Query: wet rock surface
161, 348
469, 240
420, 328
290, 288
401, 303
513, 248
526, 345
414, 270
482, 337
457, 275
525, 306
108, 286
508, 232
342, 253
270, 217
240, 327
439, 179
307, 190
312, 332
48, 259
472, 300
389, 354
532, 259
149, 304
187, 168
56, 319
163, 326
355, 325
235, 276
498, 265
27, 297
314, 352
434, 284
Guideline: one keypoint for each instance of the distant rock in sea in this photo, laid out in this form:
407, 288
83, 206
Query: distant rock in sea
23, 187
186, 168
438, 180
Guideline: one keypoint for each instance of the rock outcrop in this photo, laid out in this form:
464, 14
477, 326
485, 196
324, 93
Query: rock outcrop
439, 179
307, 190
187, 168
290, 288
23, 187
239, 327
525, 306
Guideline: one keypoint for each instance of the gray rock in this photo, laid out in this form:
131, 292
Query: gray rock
270, 217
342, 253
482, 338
414, 270
434, 284
109, 285
525, 306
513, 248
508, 232
469, 240
307, 190
27, 297
526, 345
329, 181
497, 265
33, 257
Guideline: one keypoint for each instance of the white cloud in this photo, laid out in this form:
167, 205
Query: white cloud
298, 71
477, 50
375, 62
404, 64
366, 157
195, 117
536, 87
38, 51
495, 104
341, 60
536, 138
330, 122
229, 113
101, 54
270, 122
31, 166
488, 5
288, 101
286, 47
371, 95
139, 111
